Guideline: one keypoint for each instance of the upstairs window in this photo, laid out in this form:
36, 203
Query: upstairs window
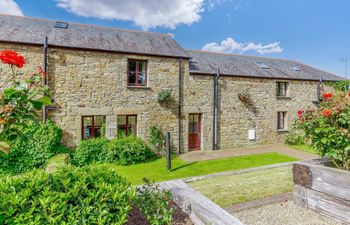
137, 73
91, 126
281, 89
281, 120
127, 125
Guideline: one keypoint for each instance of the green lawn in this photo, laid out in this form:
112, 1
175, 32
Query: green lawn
156, 170
304, 148
234, 189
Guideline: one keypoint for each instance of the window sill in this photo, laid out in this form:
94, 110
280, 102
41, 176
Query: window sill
282, 130
283, 97
139, 87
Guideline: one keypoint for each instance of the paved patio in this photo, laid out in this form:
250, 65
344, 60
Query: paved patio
280, 148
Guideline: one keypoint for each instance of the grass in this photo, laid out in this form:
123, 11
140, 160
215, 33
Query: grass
155, 170
234, 189
304, 148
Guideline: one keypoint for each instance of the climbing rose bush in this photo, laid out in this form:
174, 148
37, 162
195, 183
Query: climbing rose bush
328, 127
12, 58
22, 95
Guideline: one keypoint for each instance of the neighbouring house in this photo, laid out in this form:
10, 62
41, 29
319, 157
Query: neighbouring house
101, 75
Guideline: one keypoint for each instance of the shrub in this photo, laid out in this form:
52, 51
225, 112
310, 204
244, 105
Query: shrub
165, 96
129, 150
155, 204
157, 140
328, 127
69, 196
90, 151
38, 143
294, 137
21, 99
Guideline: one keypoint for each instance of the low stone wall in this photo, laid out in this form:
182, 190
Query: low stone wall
321, 188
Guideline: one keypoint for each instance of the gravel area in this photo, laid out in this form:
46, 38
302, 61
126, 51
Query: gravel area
283, 213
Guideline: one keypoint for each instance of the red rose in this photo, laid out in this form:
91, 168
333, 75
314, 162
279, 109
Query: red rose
326, 112
300, 113
12, 58
327, 95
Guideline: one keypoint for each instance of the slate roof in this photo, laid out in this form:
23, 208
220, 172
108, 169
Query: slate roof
246, 66
33, 31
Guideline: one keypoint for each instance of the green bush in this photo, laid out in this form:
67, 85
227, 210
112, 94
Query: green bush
294, 138
155, 203
37, 144
90, 151
70, 196
129, 150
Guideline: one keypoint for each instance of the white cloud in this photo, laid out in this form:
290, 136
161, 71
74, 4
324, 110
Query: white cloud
10, 7
146, 14
263, 49
229, 45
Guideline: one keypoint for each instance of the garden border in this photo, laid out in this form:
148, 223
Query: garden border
200, 209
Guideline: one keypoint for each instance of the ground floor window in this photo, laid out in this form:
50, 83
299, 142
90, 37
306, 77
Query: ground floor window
281, 120
91, 126
127, 124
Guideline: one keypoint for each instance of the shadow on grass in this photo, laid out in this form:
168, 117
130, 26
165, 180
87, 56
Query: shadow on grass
183, 166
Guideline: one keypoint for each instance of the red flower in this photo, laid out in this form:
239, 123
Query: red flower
349, 94
326, 113
12, 58
300, 113
327, 95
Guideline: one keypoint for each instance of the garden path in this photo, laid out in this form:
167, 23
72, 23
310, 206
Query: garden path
195, 156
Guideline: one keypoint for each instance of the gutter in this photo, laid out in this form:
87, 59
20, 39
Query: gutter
45, 80
98, 50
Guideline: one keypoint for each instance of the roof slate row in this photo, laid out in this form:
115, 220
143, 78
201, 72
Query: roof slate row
26, 30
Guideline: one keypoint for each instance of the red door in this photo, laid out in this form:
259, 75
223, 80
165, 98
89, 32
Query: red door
194, 131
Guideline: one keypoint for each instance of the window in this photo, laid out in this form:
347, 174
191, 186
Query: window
262, 65
127, 124
281, 121
91, 126
295, 68
137, 75
281, 89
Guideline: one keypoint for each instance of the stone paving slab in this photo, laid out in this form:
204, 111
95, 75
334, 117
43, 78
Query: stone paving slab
195, 156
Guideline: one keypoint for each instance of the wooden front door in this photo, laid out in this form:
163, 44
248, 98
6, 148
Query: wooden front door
194, 131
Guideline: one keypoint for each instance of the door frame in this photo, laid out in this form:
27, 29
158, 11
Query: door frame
199, 131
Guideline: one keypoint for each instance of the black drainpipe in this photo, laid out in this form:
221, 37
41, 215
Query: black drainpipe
216, 110
179, 106
319, 92
45, 80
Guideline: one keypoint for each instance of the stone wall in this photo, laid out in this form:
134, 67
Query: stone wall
95, 83
236, 118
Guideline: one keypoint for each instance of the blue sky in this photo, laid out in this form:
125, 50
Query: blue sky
315, 32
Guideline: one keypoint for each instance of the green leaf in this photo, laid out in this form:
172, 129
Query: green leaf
45, 100
4, 147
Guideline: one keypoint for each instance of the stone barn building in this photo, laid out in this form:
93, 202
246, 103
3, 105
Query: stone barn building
100, 75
